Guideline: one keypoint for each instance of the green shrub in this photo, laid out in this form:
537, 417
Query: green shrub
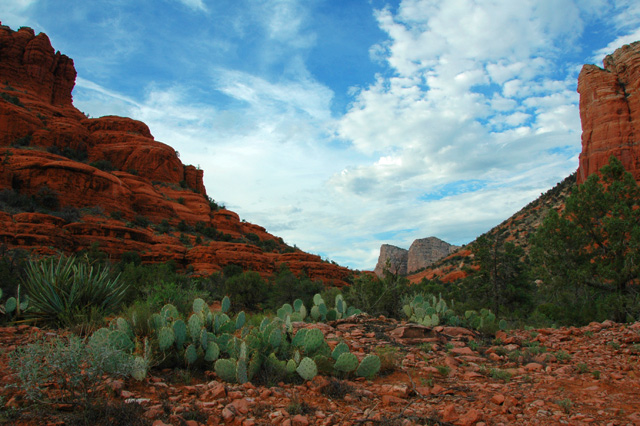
247, 290
104, 165
60, 290
74, 367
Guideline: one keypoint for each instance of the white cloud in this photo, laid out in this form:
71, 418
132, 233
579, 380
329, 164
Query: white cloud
16, 14
194, 4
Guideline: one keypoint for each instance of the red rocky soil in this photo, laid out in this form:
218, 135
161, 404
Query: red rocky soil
572, 376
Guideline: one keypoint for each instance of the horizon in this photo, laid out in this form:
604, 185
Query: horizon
344, 127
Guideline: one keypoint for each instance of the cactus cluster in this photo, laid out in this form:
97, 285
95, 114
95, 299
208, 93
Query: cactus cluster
430, 311
14, 306
235, 351
484, 321
320, 311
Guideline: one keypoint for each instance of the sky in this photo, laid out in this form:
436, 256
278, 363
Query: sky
342, 125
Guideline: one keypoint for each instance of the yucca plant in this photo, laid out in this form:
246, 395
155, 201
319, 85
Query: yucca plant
62, 289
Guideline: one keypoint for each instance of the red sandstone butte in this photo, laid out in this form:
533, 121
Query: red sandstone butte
610, 112
39, 127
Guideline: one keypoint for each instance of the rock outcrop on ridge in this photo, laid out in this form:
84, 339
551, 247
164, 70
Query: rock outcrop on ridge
68, 182
610, 112
422, 253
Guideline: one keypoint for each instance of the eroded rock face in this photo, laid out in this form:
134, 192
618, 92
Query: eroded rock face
392, 258
422, 253
425, 251
113, 183
610, 112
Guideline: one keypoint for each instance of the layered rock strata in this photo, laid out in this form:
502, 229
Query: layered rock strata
68, 182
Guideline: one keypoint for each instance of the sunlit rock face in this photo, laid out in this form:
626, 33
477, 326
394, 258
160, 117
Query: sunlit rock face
610, 112
112, 182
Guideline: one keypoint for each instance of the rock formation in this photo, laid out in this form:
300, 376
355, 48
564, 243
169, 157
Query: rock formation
392, 258
68, 182
422, 253
425, 251
610, 112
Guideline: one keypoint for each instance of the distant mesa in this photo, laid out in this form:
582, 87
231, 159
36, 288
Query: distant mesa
422, 253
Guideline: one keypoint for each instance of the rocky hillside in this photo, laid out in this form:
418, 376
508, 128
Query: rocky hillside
610, 115
68, 182
422, 253
515, 229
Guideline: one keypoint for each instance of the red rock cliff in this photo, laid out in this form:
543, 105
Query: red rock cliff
67, 182
610, 112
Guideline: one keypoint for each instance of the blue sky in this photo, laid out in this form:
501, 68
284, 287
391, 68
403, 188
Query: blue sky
341, 125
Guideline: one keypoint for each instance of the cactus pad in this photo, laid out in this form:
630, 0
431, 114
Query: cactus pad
195, 326
226, 369
307, 368
169, 312
10, 305
346, 362
369, 366
139, 369
199, 305
166, 338
190, 354
213, 352
312, 340
180, 332
339, 350
225, 304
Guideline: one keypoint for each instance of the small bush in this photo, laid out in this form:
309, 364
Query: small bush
11, 99
63, 289
47, 198
23, 141
247, 290
141, 221
104, 165
73, 366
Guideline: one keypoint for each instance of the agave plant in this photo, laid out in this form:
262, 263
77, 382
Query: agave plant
59, 289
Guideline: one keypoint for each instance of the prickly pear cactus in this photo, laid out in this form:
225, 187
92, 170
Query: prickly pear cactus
346, 362
339, 350
212, 353
297, 304
307, 368
10, 305
156, 321
369, 366
312, 340
240, 320
298, 339
169, 312
226, 369
195, 326
315, 313
225, 304
180, 332
139, 369
121, 340
332, 315
190, 354
166, 338
199, 305
241, 371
